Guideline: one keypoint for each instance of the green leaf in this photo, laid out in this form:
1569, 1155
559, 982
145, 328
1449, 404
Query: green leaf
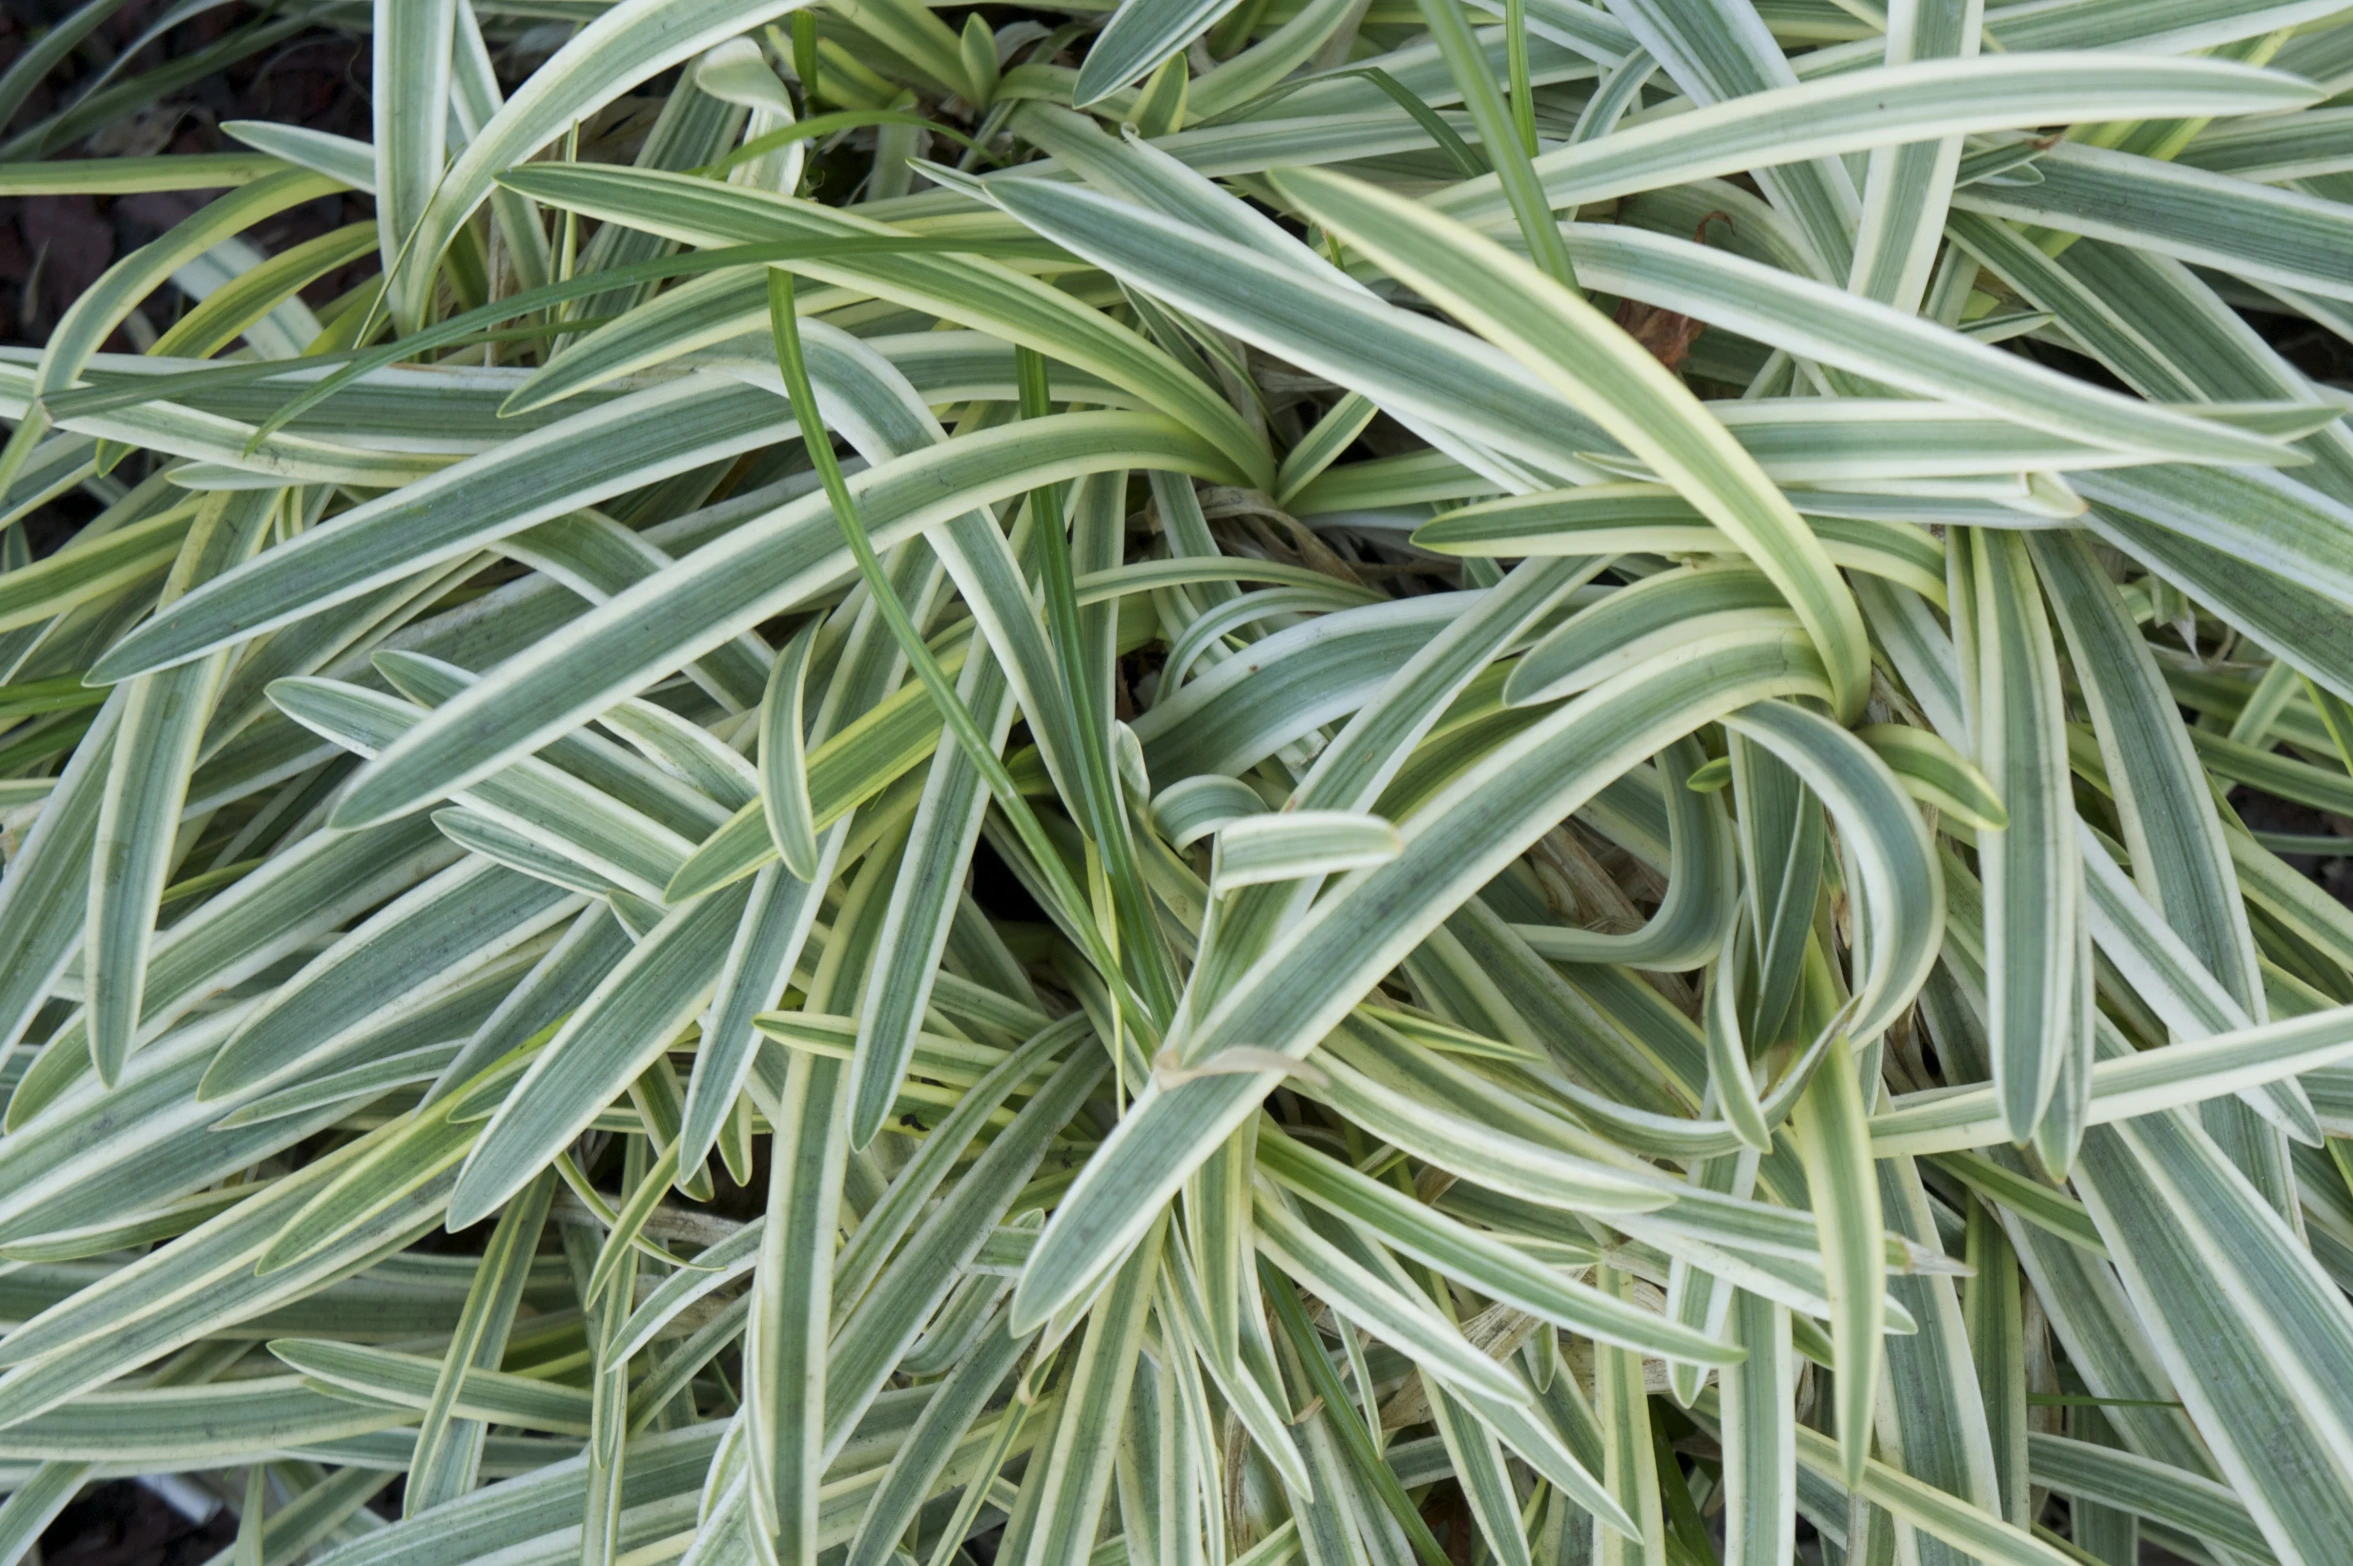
2034, 882
745, 577
1933, 772
1297, 845
413, 51
2132, 1085
1299, 990
1903, 889
625, 1022
784, 772
155, 752
981, 294
464, 917
524, 482
459, 760
2248, 230
1140, 34
1491, 1266
1922, 100
625, 45
405, 1380
1565, 343
1833, 1142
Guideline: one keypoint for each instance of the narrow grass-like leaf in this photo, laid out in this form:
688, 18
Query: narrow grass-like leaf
2033, 882
784, 771
1832, 1140
629, 1018
1565, 344
1342, 832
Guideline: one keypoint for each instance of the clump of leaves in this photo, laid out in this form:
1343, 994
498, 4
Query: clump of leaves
1323, 782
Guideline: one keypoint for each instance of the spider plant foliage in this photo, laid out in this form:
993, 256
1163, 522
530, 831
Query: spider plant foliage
1255, 783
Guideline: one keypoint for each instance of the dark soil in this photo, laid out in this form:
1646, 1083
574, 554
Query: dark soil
54, 247
123, 1523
